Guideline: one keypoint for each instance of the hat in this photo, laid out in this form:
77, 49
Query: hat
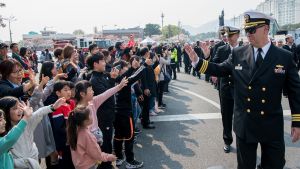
254, 19
231, 30
3, 45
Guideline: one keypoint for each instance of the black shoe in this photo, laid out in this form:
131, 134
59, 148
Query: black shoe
134, 164
161, 106
227, 148
151, 122
149, 126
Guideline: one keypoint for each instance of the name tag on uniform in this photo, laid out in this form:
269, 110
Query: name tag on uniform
238, 67
279, 69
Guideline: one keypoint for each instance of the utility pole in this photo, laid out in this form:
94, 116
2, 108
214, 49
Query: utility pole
162, 21
10, 19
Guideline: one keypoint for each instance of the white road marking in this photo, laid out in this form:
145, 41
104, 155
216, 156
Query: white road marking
199, 116
197, 95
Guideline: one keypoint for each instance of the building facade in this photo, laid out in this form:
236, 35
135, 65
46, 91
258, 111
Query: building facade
137, 32
284, 11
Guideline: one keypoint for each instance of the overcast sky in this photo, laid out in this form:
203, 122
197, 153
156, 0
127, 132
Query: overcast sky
65, 16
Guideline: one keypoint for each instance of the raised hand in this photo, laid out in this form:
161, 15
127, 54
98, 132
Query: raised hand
44, 80
59, 102
295, 133
123, 83
190, 51
27, 110
114, 73
60, 75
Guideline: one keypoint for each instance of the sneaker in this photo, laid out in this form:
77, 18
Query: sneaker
119, 162
137, 131
134, 164
153, 114
162, 106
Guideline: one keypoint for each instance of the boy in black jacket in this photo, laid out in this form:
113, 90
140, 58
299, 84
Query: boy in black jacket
148, 85
102, 81
124, 126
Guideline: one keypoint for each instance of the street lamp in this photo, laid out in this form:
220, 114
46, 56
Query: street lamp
10, 19
162, 20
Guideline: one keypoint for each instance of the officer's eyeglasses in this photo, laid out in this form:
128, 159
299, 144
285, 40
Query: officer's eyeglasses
252, 30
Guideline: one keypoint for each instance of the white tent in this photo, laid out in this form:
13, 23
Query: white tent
148, 40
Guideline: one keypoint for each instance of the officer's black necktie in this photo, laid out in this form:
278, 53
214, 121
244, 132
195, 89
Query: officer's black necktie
259, 58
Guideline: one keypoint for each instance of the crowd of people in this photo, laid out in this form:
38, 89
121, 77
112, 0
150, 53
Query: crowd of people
81, 109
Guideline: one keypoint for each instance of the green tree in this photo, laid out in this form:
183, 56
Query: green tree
78, 32
185, 32
173, 30
205, 36
152, 29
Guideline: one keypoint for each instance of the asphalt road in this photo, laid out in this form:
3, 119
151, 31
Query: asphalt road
188, 133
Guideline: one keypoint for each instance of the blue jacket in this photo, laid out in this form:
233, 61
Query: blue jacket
6, 143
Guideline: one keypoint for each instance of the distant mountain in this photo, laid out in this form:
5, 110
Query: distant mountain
211, 26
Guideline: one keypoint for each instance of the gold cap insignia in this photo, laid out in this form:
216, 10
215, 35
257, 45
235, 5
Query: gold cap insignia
247, 18
279, 66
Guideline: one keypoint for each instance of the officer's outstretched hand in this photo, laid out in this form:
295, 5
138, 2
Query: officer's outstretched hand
190, 51
295, 133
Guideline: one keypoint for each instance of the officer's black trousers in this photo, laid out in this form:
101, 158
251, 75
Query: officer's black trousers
227, 113
207, 76
272, 154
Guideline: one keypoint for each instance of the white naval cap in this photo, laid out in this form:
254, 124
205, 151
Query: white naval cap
254, 18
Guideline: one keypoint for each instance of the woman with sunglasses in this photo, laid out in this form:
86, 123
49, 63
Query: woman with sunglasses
11, 82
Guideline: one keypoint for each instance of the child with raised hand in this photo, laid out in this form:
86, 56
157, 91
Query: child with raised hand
62, 89
86, 152
24, 151
43, 134
9, 138
84, 95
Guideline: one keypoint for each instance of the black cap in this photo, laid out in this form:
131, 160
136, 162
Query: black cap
231, 30
3, 45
